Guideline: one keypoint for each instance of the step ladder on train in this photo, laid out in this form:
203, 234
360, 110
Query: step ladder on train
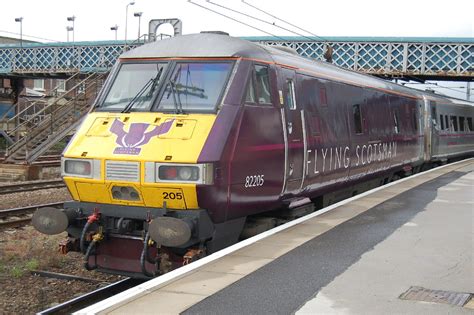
59, 115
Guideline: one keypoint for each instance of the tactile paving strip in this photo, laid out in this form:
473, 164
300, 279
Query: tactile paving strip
436, 296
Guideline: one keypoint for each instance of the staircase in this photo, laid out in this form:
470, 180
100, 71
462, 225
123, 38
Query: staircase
35, 133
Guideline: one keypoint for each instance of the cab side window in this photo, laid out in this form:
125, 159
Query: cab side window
250, 95
290, 96
262, 84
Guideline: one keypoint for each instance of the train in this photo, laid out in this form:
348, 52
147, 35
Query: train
200, 140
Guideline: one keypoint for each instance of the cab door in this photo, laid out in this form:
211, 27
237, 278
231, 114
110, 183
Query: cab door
295, 139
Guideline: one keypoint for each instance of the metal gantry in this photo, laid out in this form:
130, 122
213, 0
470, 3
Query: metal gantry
441, 58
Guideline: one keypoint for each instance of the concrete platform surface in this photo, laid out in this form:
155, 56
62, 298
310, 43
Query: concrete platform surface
357, 257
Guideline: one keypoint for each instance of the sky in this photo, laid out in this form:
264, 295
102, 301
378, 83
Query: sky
401, 18
47, 19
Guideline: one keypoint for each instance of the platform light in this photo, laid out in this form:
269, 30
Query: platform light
126, 19
71, 19
69, 29
20, 20
139, 15
114, 28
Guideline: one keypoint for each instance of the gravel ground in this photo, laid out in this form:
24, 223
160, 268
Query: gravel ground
25, 249
36, 197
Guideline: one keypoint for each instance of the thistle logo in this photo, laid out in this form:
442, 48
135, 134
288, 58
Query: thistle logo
131, 141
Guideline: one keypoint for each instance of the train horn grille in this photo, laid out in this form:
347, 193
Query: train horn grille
122, 171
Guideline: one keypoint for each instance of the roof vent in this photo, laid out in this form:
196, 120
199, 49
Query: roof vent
215, 32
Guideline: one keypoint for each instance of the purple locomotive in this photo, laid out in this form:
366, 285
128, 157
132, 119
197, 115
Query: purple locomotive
201, 139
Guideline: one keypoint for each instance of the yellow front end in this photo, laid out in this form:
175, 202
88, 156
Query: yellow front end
124, 150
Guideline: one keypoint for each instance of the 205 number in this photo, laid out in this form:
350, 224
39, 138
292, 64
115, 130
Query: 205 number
172, 195
254, 181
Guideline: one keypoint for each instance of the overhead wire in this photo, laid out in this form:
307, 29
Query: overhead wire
279, 19
235, 20
30, 36
440, 86
258, 19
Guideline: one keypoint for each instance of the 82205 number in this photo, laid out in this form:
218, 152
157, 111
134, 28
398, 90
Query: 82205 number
254, 181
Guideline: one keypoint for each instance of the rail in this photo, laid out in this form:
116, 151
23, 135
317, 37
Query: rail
30, 186
21, 216
92, 297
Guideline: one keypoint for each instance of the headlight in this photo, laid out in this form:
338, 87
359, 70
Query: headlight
81, 168
78, 167
179, 173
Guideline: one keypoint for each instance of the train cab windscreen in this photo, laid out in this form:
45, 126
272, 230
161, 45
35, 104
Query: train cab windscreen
194, 86
134, 87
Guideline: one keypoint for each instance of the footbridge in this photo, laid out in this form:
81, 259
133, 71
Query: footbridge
411, 58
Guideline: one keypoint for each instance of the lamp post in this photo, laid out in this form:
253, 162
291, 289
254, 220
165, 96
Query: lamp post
72, 19
68, 29
20, 20
126, 19
114, 28
139, 15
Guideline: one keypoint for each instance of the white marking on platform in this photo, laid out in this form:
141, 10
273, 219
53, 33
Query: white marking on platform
410, 224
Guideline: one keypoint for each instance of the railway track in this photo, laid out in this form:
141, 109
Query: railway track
92, 297
30, 186
51, 158
16, 217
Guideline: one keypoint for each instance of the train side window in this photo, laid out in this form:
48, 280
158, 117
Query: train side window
415, 121
454, 123
357, 118
323, 97
291, 99
469, 124
250, 95
446, 122
396, 120
433, 112
441, 120
461, 123
263, 84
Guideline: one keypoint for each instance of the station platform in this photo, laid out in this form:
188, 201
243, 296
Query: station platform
379, 252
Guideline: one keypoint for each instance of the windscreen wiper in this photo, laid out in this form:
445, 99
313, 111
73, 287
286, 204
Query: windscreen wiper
176, 98
173, 91
152, 82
